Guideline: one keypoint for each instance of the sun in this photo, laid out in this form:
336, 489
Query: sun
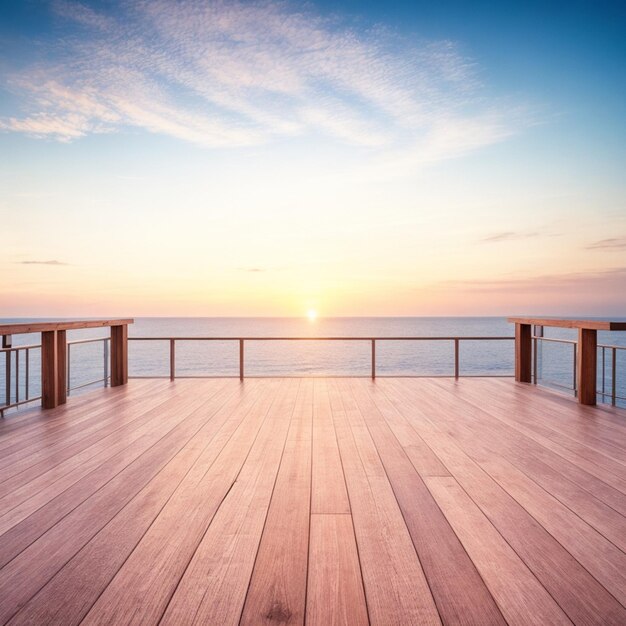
312, 315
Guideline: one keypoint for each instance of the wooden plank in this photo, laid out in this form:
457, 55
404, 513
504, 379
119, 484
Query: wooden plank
213, 587
589, 426
78, 435
523, 353
119, 355
569, 323
554, 448
91, 570
37, 419
277, 589
335, 595
46, 469
593, 499
424, 460
49, 370
395, 586
490, 444
459, 591
328, 491
586, 365
517, 474
37, 327
19, 578
23, 501
570, 423
40, 435
488, 435
577, 592
603, 414
142, 589
600, 557
520, 596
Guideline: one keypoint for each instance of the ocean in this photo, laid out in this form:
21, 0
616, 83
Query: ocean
310, 358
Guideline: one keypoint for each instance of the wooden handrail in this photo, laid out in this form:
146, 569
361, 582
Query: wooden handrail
569, 323
367, 338
39, 327
54, 352
335, 338
586, 353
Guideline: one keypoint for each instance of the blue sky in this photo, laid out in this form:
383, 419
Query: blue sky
313, 155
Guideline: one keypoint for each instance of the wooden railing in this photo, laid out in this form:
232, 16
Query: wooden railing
607, 386
55, 352
54, 345
455, 341
586, 359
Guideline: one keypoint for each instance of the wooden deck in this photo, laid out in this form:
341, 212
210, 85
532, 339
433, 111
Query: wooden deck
330, 501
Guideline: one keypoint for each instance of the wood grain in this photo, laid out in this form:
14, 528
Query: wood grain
326, 501
514, 587
277, 589
92, 569
577, 592
214, 585
569, 323
587, 365
460, 593
328, 489
523, 353
335, 589
49, 370
119, 355
396, 589
140, 594
37, 327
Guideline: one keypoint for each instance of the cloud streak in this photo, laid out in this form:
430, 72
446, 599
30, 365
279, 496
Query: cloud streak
51, 262
508, 236
591, 281
230, 74
613, 243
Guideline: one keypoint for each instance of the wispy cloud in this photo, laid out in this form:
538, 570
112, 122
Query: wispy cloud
590, 281
509, 236
613, 243
51, 262
82, 14
252, 270
227, 74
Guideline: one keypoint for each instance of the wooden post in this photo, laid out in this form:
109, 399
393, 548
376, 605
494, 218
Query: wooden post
119, 355
373, 359
613, 374
172, 359
536, 347
241, 359
523, 353
586, 366
61, 340
6, 343
49, 369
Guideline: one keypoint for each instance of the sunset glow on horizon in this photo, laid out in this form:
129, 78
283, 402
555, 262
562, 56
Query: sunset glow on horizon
269, 158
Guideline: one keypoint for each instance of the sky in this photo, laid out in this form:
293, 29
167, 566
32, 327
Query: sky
271, 158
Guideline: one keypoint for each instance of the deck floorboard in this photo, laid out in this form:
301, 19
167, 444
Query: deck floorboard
321, 501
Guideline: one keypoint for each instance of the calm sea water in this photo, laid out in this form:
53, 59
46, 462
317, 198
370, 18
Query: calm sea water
221, 358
